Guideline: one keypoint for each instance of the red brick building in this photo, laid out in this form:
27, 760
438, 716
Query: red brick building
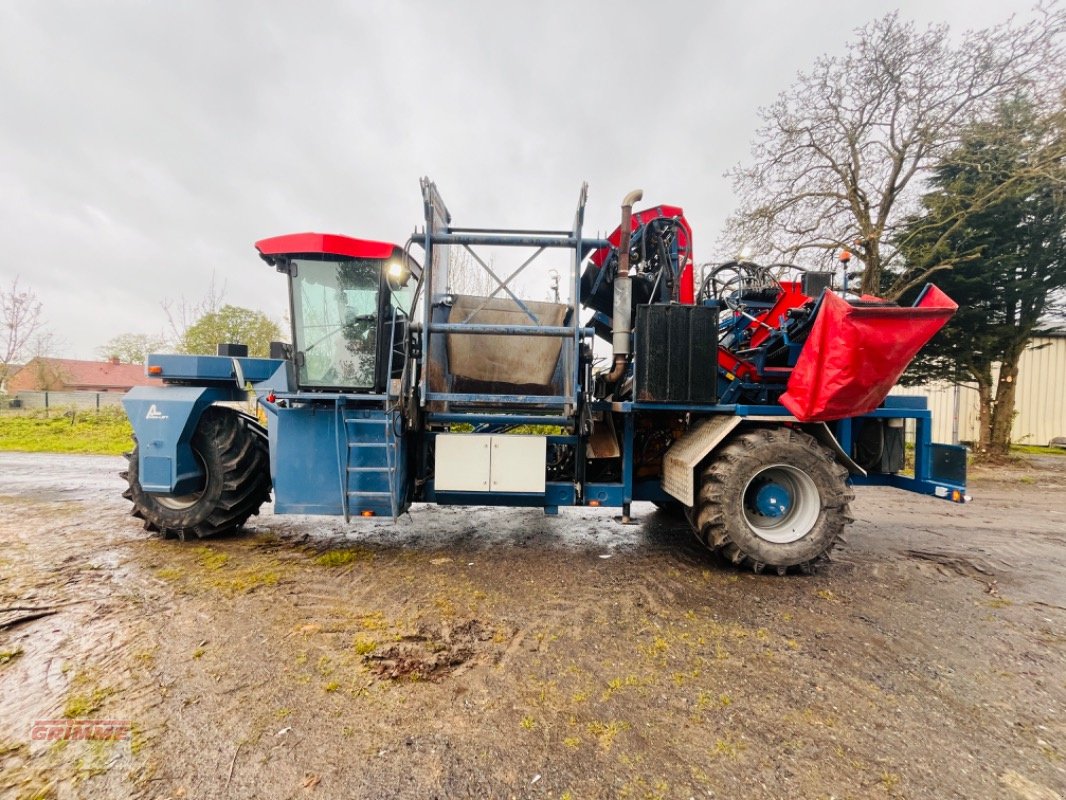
71, 375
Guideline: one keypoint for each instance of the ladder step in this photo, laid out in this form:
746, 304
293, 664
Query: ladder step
368, 469
369, 494
367, 444
365, 421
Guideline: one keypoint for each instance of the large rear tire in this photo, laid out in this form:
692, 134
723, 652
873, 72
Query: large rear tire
773, 497
233, 451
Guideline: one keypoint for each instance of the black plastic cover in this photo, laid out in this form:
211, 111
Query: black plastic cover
676, 353
813, 284
948, 463
281, 350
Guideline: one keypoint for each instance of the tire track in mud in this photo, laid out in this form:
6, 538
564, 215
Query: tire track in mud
80, 661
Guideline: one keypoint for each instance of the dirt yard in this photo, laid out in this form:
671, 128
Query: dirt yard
501, 653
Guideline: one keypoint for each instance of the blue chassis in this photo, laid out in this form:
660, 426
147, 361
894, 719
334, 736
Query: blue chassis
164, 421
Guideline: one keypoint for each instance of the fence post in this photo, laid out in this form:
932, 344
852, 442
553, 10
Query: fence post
46, 405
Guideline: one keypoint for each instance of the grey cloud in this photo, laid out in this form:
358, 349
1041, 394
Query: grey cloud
145, 146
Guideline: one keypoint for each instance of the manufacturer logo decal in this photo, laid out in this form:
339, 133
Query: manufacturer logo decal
154, 413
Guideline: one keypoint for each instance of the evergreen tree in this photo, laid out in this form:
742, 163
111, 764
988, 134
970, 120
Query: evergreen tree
994, 228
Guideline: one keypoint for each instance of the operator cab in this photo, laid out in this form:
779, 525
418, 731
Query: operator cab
350, 303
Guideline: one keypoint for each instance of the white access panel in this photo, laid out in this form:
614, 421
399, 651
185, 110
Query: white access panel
462, 462
518, 463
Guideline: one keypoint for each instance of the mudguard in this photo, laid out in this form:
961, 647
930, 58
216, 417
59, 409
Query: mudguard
164, 421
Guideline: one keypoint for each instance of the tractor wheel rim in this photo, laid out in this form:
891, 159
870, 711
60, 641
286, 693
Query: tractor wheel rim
781, 503
180, 502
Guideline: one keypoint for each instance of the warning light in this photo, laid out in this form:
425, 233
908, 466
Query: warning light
270, 398
956, 496
845, 256
155, 370
366, 513
594, 503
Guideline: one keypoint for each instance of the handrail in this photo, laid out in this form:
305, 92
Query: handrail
478, 329
569, 241
342, 468
389, 433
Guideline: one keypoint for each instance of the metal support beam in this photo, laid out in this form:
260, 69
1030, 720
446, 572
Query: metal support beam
567, 242
503, 286
505, 330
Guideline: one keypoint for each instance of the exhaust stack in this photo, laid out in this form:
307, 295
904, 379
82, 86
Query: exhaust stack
622, 322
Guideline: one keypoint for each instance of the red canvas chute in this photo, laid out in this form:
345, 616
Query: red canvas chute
854, 355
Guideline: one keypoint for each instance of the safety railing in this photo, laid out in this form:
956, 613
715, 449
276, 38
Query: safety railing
436, 238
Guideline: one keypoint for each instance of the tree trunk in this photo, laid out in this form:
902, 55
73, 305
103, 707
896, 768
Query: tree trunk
984, 426
871, 274
1003, 408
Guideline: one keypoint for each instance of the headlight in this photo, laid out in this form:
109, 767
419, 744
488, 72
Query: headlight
397, 272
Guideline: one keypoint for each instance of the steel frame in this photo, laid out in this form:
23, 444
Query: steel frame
438, 233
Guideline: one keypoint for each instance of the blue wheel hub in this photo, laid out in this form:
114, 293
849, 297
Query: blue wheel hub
773, 500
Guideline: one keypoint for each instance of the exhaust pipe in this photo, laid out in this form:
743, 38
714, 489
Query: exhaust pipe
622, 321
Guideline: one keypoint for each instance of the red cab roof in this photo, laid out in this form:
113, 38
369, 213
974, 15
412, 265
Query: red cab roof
327, 243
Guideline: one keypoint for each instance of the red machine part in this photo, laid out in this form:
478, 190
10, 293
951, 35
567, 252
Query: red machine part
327, 243
791, 297
687, 283
854, 355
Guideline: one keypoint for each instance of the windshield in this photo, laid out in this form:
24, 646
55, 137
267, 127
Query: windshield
335, 314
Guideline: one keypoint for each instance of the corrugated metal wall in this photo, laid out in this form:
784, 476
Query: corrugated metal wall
1040, 406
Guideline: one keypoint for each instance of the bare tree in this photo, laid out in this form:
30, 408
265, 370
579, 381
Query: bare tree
183, 313
20, 324
49, 374
132, 348
841, 156
467, 276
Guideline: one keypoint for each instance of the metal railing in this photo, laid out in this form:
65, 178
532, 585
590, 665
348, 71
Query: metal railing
438, 235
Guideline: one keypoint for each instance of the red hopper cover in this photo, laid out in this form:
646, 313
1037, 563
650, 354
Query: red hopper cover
854, 355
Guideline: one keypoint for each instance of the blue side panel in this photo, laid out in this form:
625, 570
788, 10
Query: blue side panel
303, 461
606, 494
331, 459
213, 368
164, 421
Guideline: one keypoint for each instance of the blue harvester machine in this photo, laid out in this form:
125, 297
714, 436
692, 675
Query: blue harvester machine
751, 400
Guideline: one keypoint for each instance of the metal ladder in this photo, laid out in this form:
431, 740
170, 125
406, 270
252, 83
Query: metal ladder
388, 441
359, 471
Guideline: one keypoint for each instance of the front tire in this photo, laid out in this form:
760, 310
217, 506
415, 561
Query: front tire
773, 497
234, 454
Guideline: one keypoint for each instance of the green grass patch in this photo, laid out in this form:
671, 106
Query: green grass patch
244, 580
107, 432
342, 558
211, 559
1037, 450
85, 701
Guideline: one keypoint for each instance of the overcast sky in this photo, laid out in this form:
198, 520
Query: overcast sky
144, 146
